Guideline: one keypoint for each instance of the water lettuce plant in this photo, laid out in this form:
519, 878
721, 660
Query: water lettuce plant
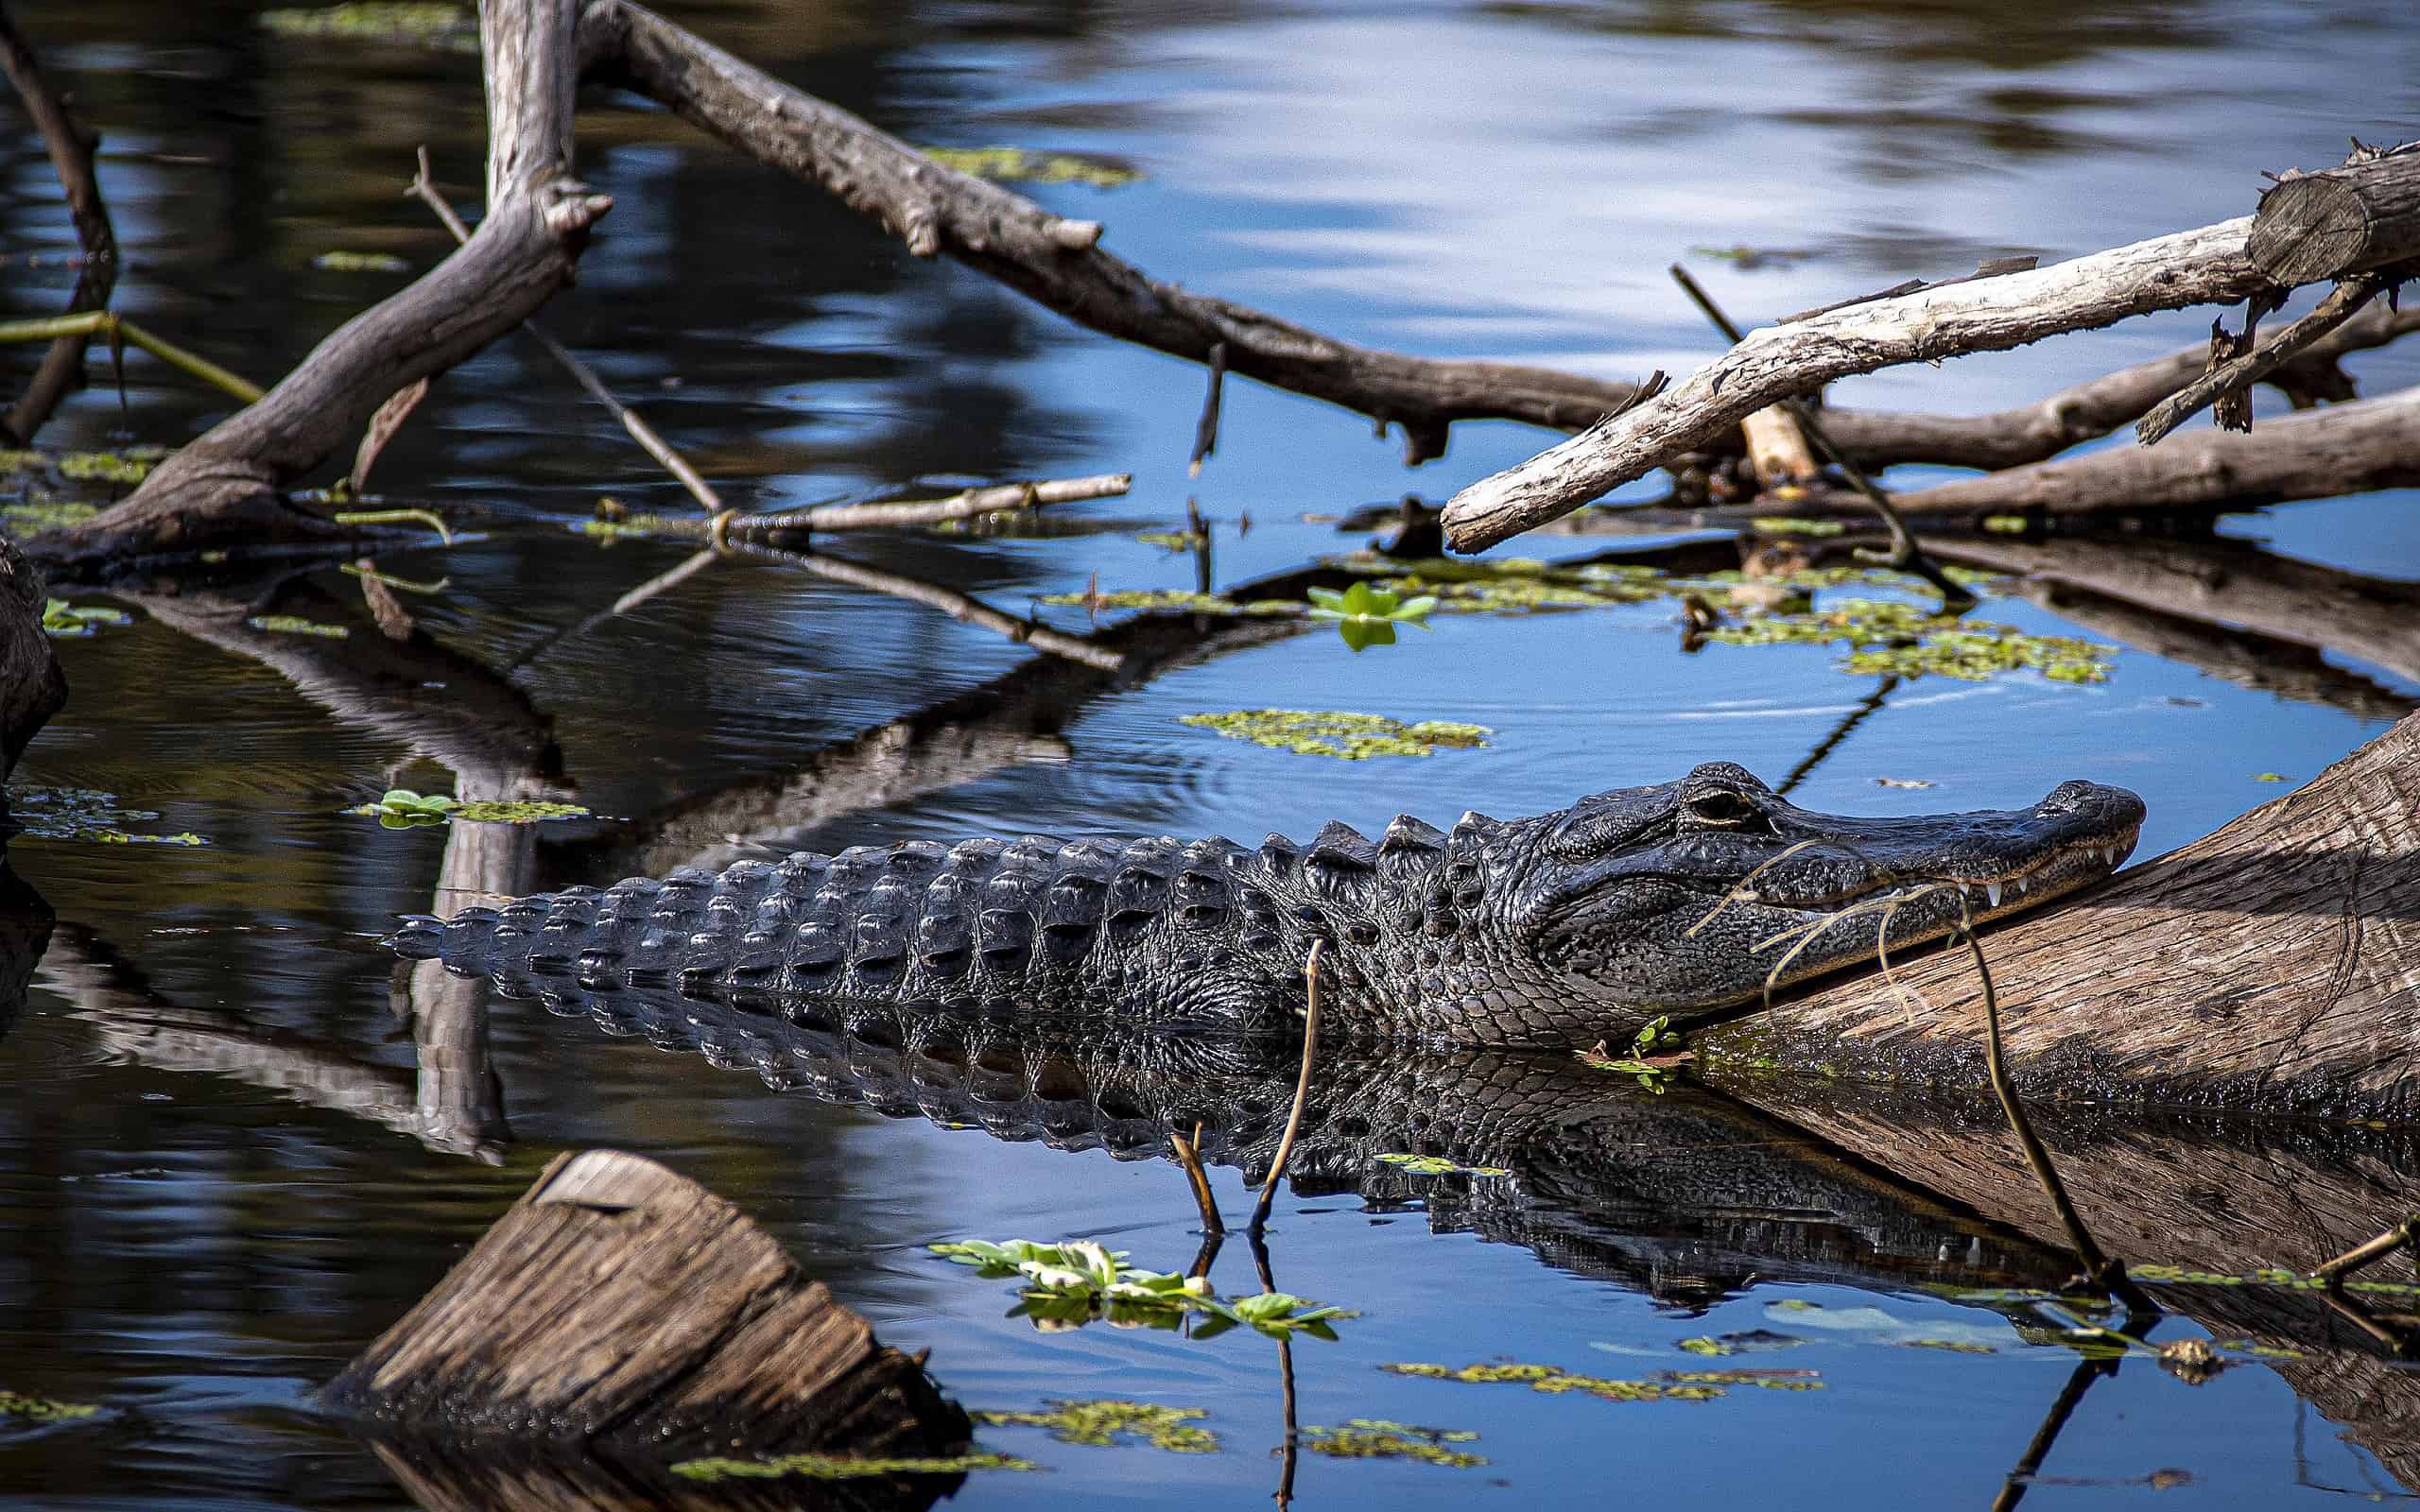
1069, 1284
1367, 614
400, 808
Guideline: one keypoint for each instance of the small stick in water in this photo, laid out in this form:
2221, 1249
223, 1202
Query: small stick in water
1301, 1086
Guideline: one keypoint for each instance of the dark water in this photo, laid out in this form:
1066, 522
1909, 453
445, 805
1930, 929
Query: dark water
226, 1162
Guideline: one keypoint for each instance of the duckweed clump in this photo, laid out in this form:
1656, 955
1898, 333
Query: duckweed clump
1175, 600
1101, 1421
414, 23
1378, 1438
1677, 1385
1343, 735
843, 1468
1006, 164
22, 1408
1889, 637
87, 815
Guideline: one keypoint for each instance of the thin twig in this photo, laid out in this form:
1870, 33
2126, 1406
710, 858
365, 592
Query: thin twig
2238, 374
2333, 1271
1302, 1086
2107, 1274
897, 514
1188, 1156
118, 327
71, 156
641, 432
1904, 555
1205, 432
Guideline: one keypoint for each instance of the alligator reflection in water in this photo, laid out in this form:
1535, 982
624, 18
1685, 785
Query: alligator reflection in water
1689, 1196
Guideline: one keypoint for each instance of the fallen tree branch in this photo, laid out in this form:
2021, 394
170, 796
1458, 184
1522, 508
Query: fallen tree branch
901, 514
1056, 261
2237, 374
2031, 433
224, 487
2202, 267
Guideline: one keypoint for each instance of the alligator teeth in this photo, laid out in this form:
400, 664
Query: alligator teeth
1992, 893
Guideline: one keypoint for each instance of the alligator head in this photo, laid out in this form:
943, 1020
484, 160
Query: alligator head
1711, 890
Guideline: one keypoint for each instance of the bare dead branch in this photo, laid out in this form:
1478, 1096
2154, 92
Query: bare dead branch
2239, 373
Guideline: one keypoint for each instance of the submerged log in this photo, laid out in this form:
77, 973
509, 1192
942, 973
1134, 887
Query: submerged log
2274, 962
620, 1310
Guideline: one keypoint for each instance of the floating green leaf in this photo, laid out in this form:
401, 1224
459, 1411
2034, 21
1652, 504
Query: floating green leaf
1672, 1385
1786, 524
1439, 1165
1342, 735
65, 620
1016, 164
1904, 640
2272, 777
400, 808
843, 1468
1069, 1284
1181, 602
41, 513
1366, 613
1101, 1421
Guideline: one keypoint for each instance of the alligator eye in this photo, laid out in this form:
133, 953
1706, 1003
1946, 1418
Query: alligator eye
1719, 807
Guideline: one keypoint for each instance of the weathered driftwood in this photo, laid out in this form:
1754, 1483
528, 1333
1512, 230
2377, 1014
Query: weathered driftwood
2201, 266
2237, 363
224, 487
2318, 454
620, 1310
71, 157
2273, 962
32, 685
2365, 215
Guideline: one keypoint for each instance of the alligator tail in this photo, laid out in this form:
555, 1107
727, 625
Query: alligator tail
466, 942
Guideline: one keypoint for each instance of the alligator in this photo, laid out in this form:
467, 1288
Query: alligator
1680, 901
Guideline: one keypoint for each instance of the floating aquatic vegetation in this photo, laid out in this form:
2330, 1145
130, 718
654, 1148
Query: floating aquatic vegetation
1367, 614
1003, 164
296, 625
1889, 637
84, 814
42, 512
22, 1408
1953, 1346
1790, 525
400, 808
1101, 1421
1342, 734
610, 531
2272, 777
1173, 539
1671, 1385
1067, 1285
1378, 1438
2005, 524
416, 23
65, 621
1177, 600
843, 1468
1514, 585
1439, 1165
341, 262
132, 465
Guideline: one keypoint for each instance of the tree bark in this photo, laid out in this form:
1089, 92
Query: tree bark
618, 1309
2274, 963
2202, 267
33, 686
2315, 225
224, 487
